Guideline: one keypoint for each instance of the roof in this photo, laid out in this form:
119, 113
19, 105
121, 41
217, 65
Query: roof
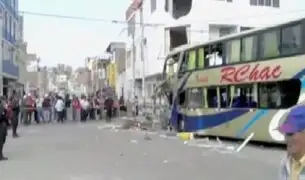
228, 37
109, 47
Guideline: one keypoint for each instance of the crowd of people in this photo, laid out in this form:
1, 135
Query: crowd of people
53, 107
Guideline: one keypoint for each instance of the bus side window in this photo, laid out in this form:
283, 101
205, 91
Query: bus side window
225, 96
200, 59
215, 56
279, 95
244, 96
191, 60
195, 98
184, 63
212, 97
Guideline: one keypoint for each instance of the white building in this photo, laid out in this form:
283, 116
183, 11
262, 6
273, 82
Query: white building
170, 23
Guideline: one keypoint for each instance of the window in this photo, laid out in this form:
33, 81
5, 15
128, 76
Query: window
225, 96
214, 55
233, 51
245, 96
212, 97
253, 2
191, 60
267, 2
282, 94
195, 98
8, 23
200, 58
13, 33
184, 63
226, 0
249, 48
270, 43
172, 65
166, 8
153, 5
291, 40
276, 3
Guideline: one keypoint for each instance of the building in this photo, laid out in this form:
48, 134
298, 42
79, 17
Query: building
171, 23
116, 70
97, 66
12, 41
36, 77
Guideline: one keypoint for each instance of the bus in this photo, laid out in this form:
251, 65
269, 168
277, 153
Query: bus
237, 85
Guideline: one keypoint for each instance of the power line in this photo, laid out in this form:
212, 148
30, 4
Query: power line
82, 18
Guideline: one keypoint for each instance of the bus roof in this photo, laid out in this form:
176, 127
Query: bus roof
228, 37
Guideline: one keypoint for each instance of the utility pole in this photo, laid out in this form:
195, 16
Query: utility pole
38, 76
134, 69
143, 57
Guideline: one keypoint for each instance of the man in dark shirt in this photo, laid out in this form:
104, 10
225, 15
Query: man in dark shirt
3, 128
14, 102
109, 106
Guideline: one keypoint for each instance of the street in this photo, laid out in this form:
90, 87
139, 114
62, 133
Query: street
75, 151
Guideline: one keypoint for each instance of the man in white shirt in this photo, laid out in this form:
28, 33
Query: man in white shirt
84, 103
59, 107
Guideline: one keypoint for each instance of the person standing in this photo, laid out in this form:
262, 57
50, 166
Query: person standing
59, 107
3, 129
293, 165
15, 107
91, 112
46, 108
39, 111
84, 108
98, 101
75, 107
109, 108
28, 108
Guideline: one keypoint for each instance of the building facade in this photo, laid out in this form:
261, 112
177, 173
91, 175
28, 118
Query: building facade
97, 67
11, 39
13, 48
171, 23
116, 68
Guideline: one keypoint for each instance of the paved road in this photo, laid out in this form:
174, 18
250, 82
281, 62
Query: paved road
76, 151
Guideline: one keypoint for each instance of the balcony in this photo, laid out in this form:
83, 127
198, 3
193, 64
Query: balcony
10, 68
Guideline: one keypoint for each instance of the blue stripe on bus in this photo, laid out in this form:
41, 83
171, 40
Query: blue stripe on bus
256, 117
261, 113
